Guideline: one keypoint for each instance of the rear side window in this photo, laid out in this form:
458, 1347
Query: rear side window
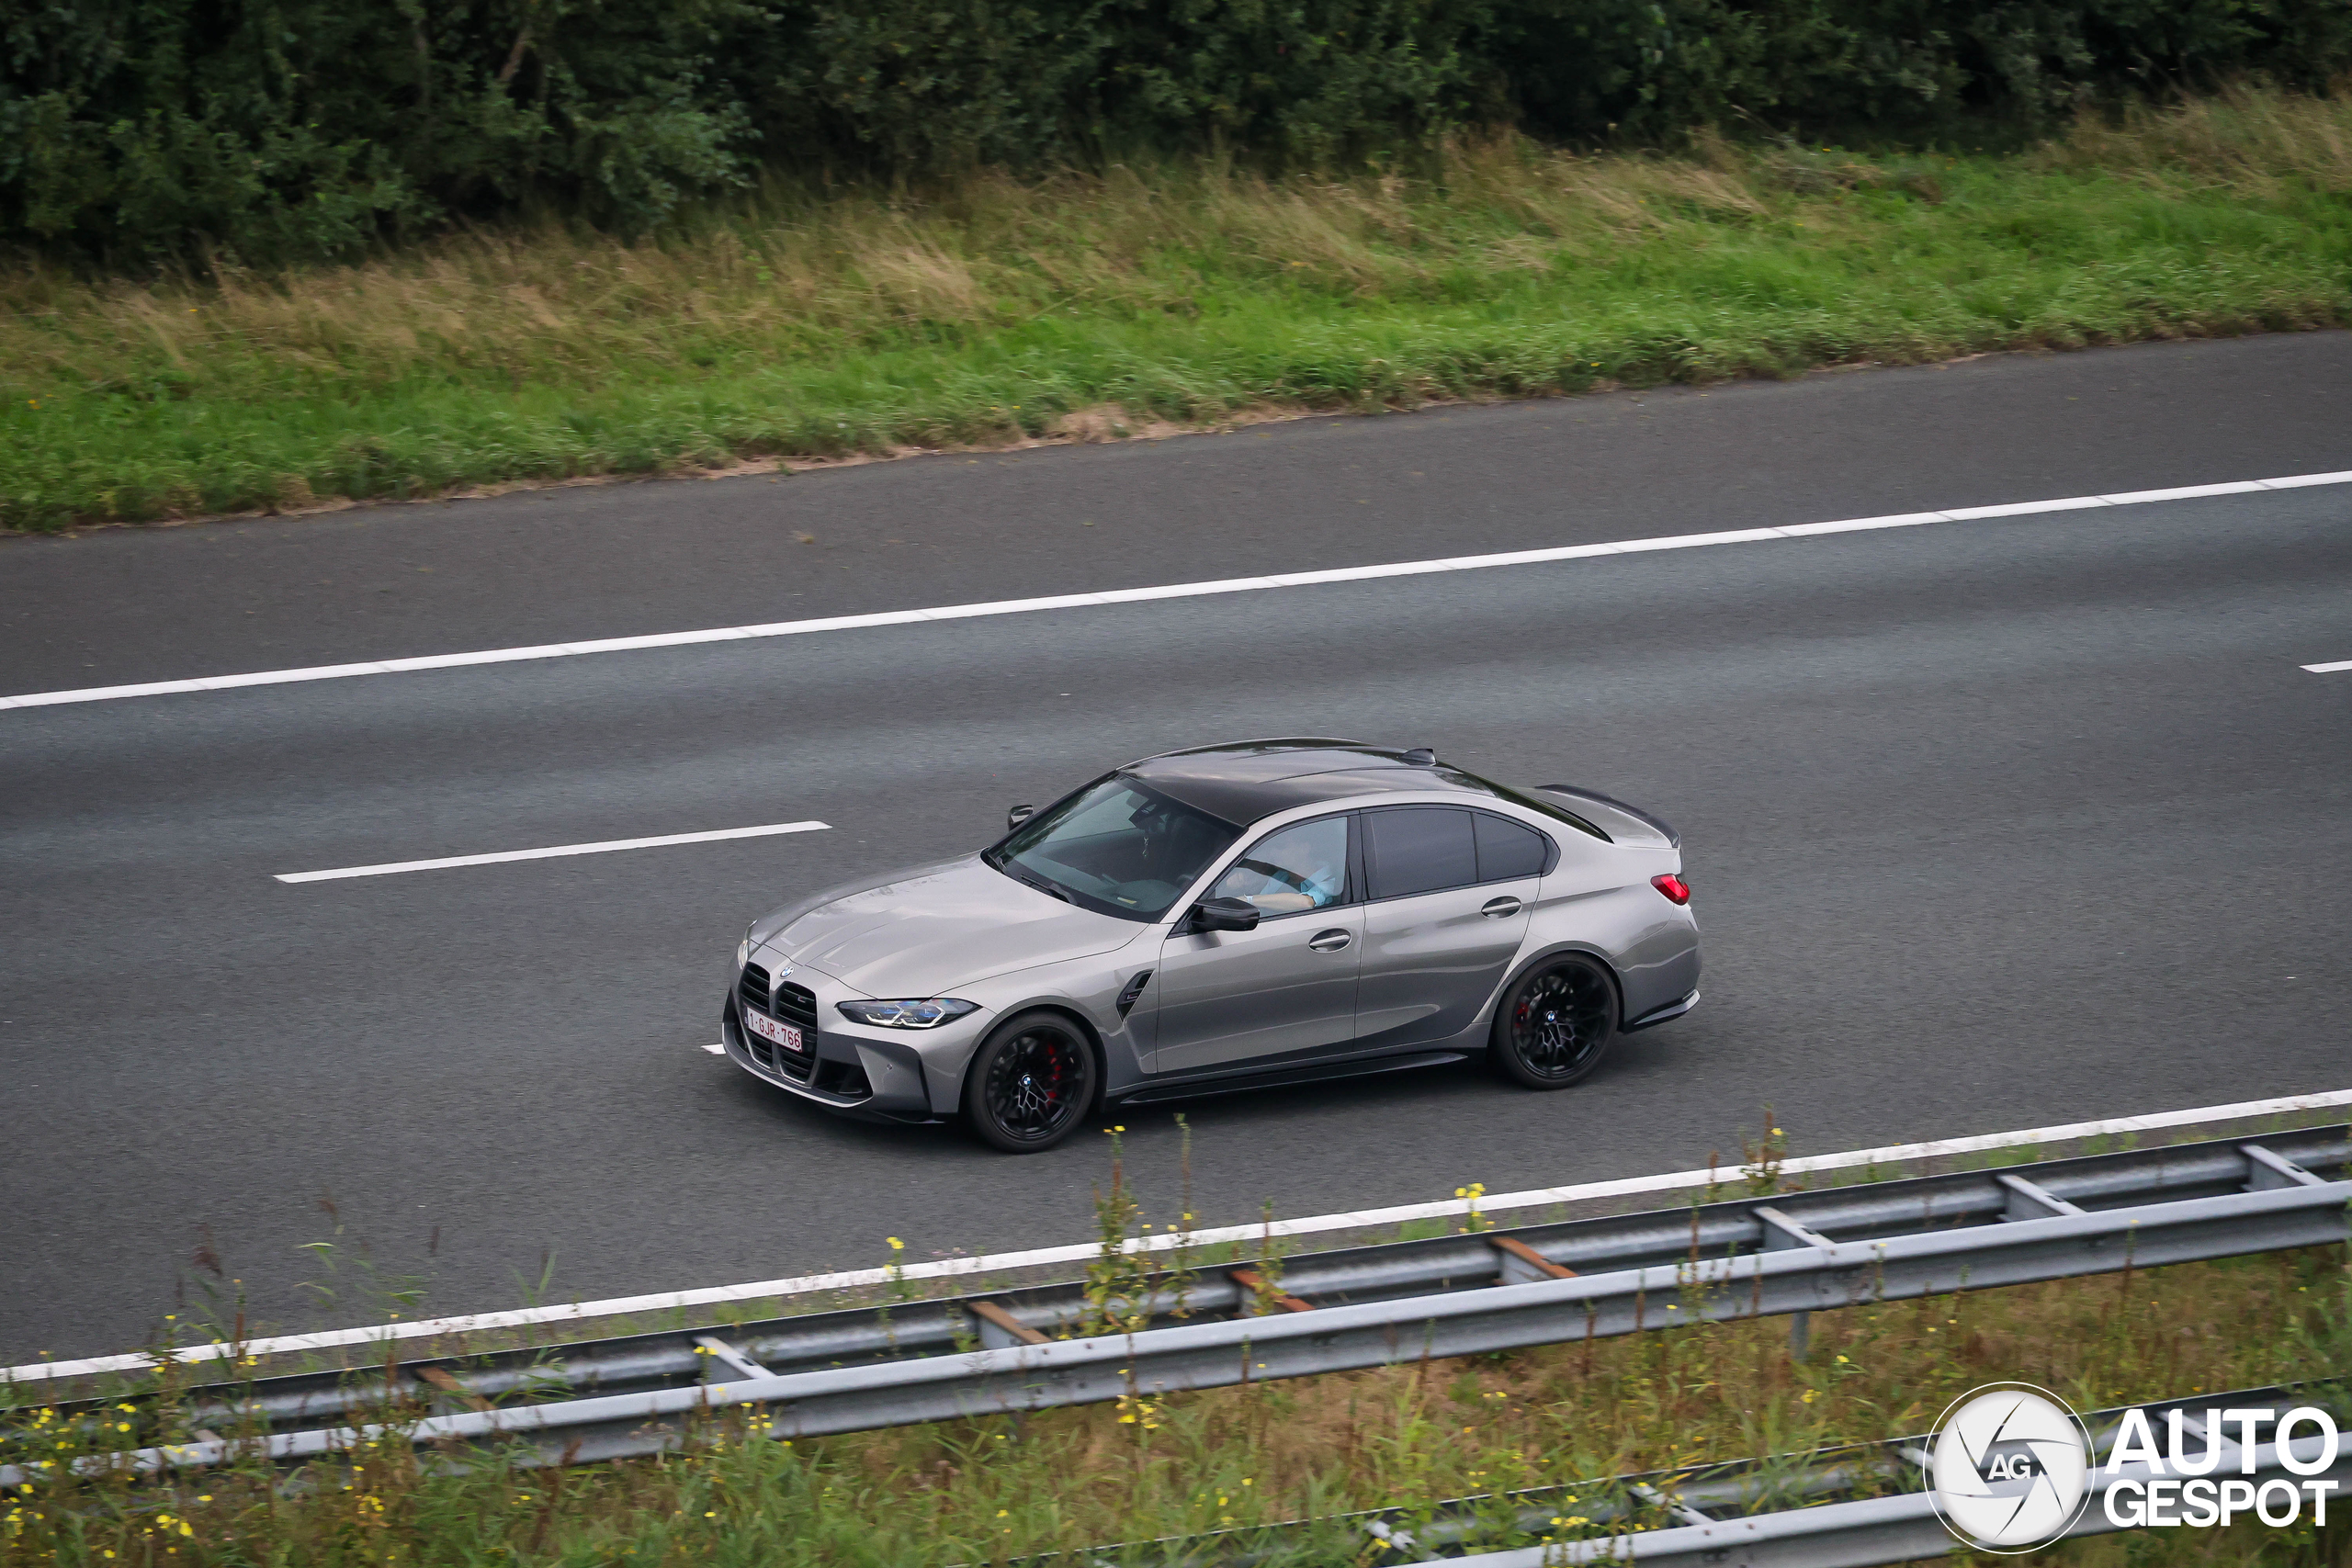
1419, 848
1507, 849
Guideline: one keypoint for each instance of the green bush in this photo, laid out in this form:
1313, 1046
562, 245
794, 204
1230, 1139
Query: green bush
271, 131
1898, 69
306, 127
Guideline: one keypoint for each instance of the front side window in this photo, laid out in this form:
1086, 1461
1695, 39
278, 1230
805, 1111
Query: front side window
1418, 848
1115, 847
1303, 867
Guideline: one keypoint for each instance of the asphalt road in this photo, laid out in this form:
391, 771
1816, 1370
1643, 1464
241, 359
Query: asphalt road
1992, 824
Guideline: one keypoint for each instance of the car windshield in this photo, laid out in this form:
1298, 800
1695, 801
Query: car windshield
1115, 847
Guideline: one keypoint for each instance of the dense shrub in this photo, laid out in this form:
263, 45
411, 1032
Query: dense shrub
302, 127
271, 129
1890, 68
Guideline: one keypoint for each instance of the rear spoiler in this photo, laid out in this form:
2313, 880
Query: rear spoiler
1611, 803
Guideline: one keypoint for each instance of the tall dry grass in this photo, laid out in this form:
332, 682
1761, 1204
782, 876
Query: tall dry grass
2243, 141
791, 270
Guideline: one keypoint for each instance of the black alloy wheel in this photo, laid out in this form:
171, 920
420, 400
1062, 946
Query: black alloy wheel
1030, 1084
1554, 1026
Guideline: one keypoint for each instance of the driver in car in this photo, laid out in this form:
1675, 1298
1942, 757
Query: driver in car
1289, 873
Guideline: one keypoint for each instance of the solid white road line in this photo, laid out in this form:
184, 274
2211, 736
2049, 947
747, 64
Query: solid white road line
2329, 669
552, 851
1894, 1155
717, 1047
1170, 591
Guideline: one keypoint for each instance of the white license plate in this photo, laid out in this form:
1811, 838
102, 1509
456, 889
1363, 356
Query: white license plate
784, 1035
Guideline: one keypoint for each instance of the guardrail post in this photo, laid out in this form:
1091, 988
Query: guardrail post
724, 1363
1781, 1233
1000, 1330
1522, 1264
460, 1396
2030, 1200
2266, 1171
1681, 1511
1255, 1294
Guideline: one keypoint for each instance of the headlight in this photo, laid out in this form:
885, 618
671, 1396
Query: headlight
909, 1013
742, 952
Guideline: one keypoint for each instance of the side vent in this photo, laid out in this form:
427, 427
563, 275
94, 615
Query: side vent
1135, 989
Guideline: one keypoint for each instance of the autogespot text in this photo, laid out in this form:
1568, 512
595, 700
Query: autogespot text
2148, 1489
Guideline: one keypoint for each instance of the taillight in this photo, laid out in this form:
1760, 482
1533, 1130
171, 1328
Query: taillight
1673, 886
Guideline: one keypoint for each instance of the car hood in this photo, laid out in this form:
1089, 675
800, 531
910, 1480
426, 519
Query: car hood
931, 929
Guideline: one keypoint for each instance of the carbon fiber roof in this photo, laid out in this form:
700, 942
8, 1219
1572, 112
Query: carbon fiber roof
1242, 781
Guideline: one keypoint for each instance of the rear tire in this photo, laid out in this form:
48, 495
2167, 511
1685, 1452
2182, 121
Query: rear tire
1033, 1080
1554, 1024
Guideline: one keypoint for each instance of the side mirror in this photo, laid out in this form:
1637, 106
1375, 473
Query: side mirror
1223, 915
1017, 815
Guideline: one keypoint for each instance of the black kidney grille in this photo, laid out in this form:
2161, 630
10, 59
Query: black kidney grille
788, 1002
797, 1004
754, 988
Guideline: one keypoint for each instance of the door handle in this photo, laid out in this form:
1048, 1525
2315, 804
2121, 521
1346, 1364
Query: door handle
1329, 941
1500, 908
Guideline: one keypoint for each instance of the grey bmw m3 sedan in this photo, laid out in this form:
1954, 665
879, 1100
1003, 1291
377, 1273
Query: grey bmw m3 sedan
1225, 918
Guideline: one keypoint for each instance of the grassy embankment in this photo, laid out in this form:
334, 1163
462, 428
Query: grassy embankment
997, 1488
804, 327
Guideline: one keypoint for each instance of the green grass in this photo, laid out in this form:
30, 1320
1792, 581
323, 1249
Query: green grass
796, 326
987, 1490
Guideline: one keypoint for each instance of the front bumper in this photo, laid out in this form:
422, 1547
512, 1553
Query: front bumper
871, 1080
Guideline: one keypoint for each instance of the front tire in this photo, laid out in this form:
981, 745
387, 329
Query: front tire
1556, 1024
1033, 1080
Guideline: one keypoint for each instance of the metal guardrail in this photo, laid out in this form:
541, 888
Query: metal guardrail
1905, 1528
1791, 1508
1359, 1307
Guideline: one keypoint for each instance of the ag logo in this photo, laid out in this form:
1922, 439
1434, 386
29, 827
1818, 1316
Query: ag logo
2007, 1468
